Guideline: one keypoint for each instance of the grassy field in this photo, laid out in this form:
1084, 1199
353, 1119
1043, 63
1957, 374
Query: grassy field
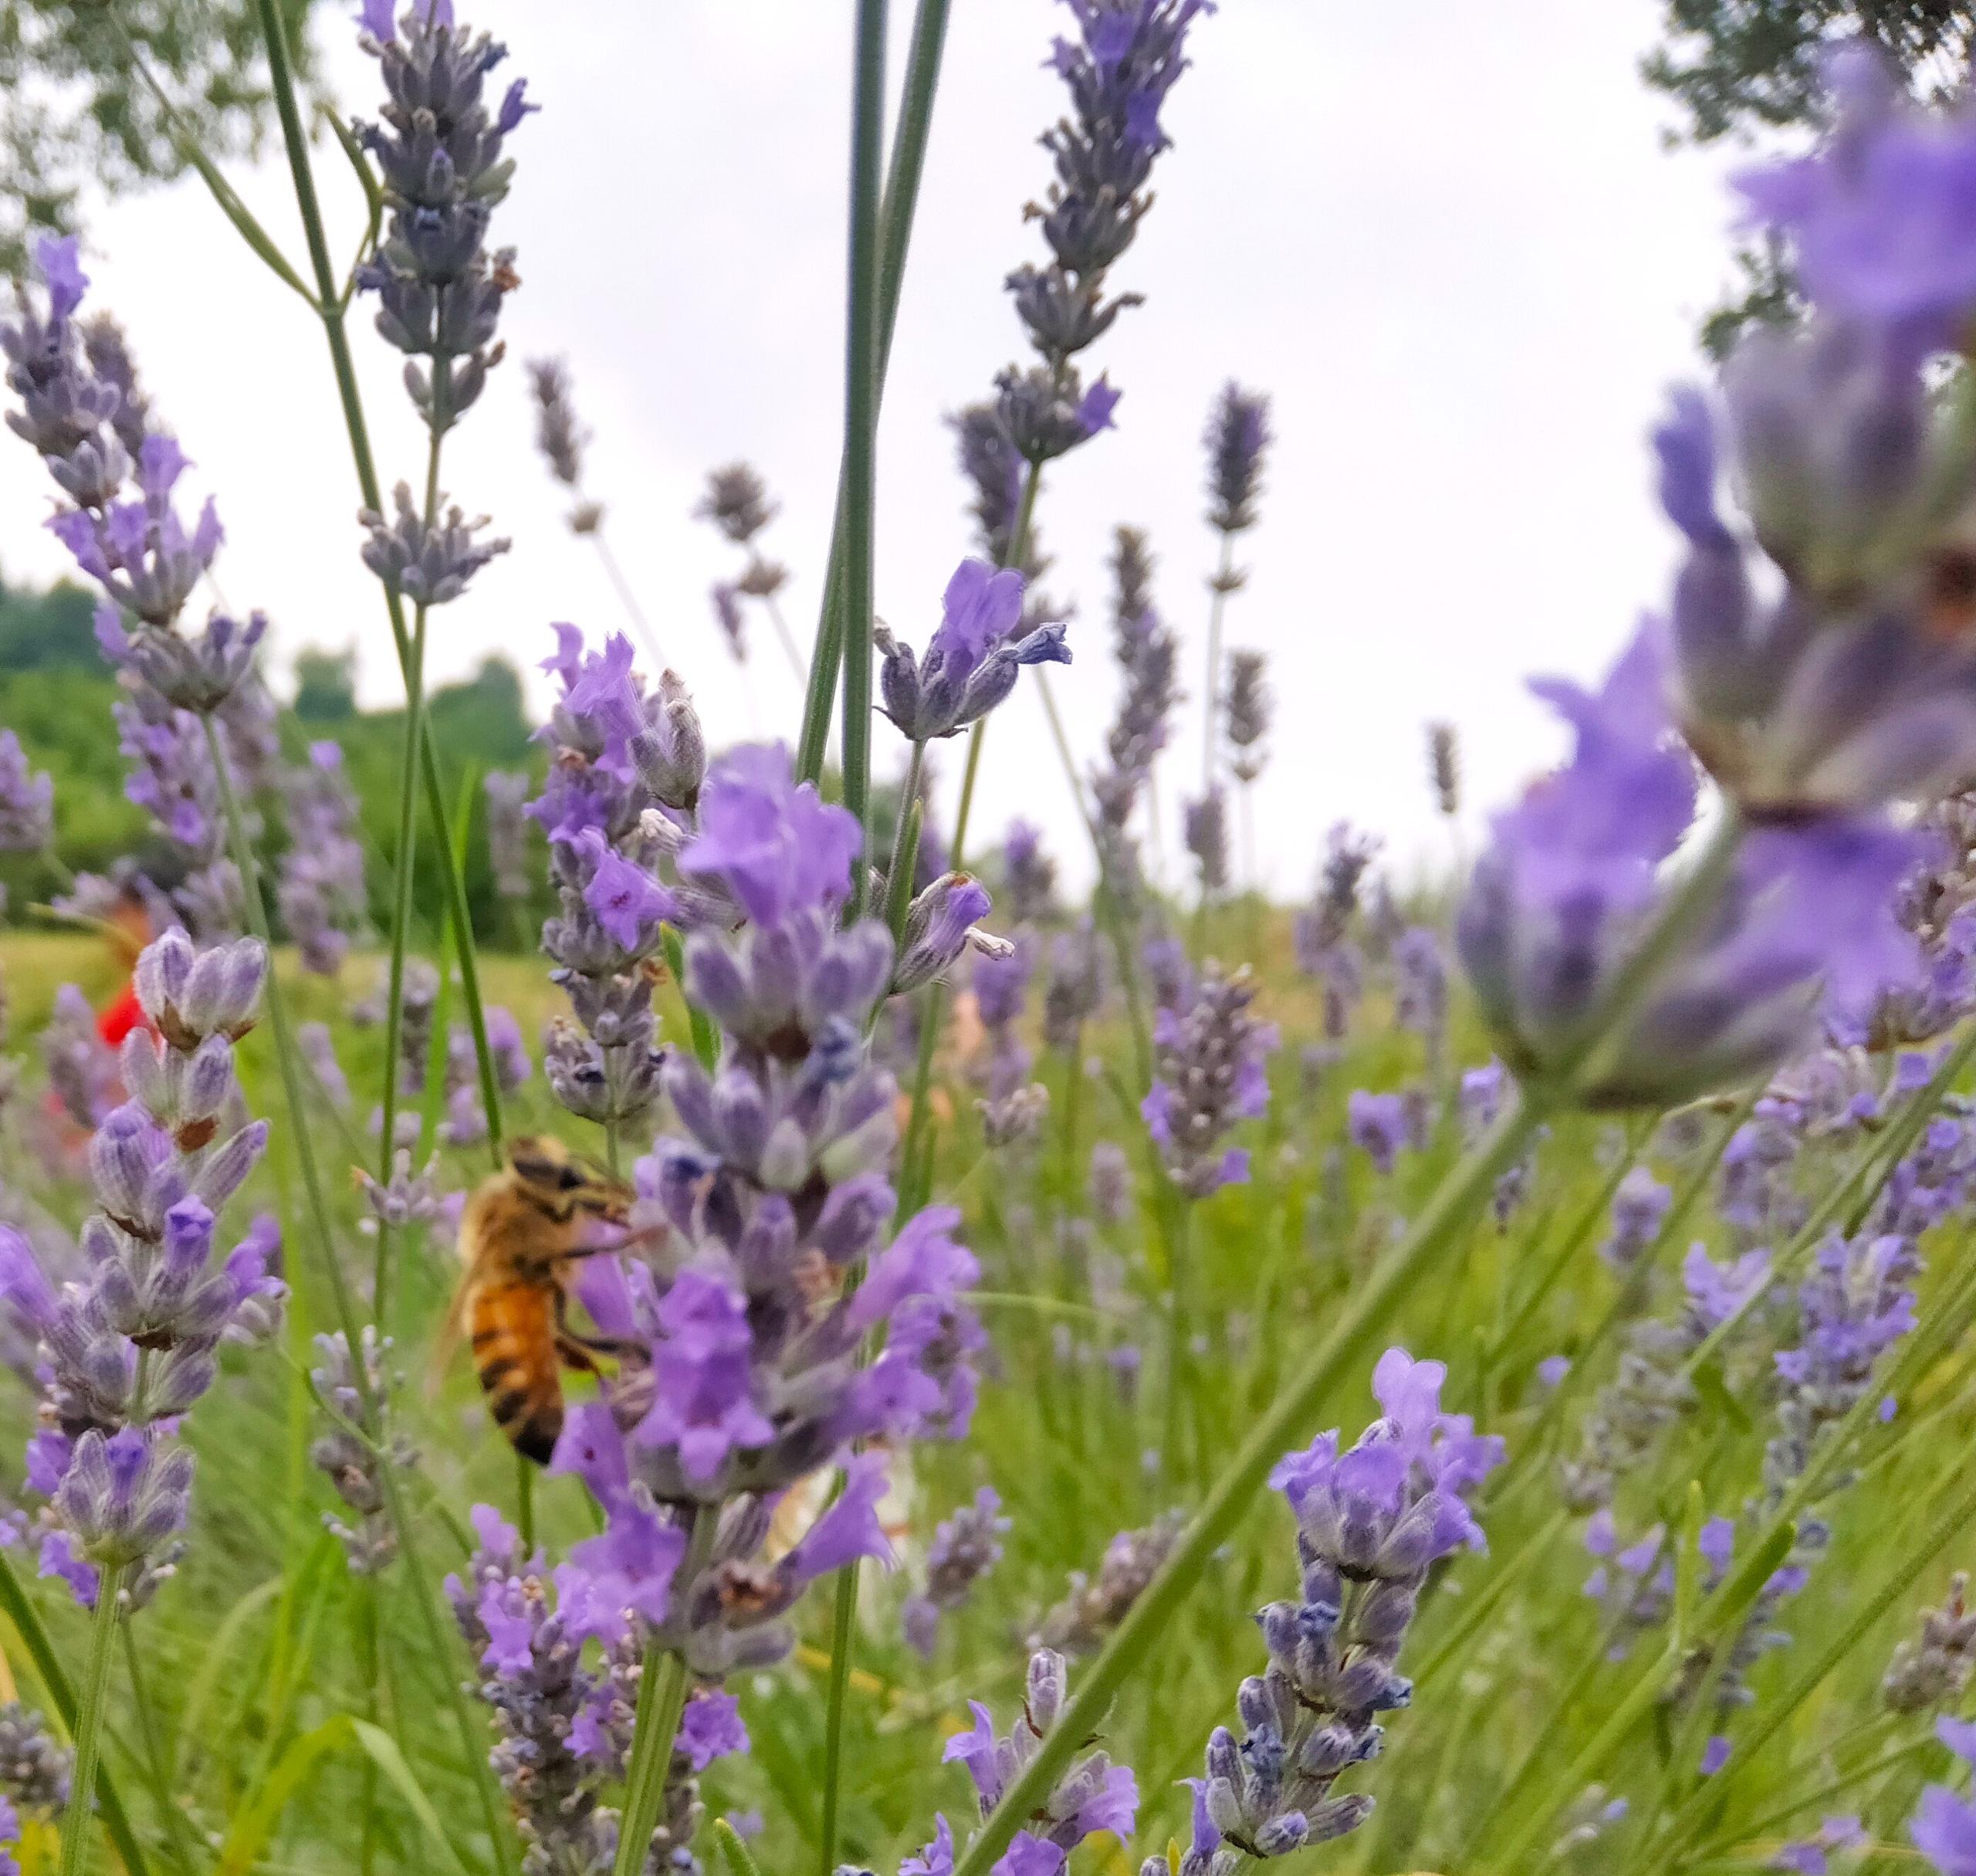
254, 1653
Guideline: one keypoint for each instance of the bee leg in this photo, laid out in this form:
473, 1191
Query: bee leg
574, 1355
576, 1349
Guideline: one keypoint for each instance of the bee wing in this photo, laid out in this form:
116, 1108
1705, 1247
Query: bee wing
446, 1340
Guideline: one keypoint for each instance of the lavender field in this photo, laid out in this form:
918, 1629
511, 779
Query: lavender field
587, 1287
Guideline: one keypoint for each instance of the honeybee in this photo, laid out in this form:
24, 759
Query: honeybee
520, 1237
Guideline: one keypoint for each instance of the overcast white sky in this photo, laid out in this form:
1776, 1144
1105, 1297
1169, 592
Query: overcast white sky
1445, 238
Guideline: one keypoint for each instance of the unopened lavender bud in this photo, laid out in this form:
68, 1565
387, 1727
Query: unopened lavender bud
1337, 1817
1444, 768
1283, 1834
937, 925
671, 755
1048, 1678
225, 1172
429, 566
189, 998
1016, 1119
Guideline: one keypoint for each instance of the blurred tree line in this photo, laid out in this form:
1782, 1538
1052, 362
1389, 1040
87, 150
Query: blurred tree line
55, 694
1747, 71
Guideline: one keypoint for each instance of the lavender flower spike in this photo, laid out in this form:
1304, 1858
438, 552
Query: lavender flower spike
1371, 1521
1571, 880
27, 802
972, 660
1238, 434
1209, 1067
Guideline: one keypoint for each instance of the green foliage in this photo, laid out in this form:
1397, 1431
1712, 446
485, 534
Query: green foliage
325, 685
61, 712
78, 111
1747, 69
47, 630
1738, 67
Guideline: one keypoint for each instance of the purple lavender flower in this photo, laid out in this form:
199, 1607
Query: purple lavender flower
431, 564
1640, 1207
1931, 1671
322, 896
1852, 680
1147, 652
27, 802
1118, 70
1944, 1825
1250, 708
507, 832
162, 1169
564, 1726
1238, 434
81, 1071
561, 438
618, 799
972, 660
439, 149
1204, 829
1208, 1075
1879, 218
1572, 876
1093, 1795
1372, 1521
1377, 1124
1092, 1607
1029, 875
964, 1548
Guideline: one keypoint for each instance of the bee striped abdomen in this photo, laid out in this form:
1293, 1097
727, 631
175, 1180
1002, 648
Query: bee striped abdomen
513, 1329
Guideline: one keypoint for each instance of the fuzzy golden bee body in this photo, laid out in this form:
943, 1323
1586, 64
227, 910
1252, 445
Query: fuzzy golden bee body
521, 1235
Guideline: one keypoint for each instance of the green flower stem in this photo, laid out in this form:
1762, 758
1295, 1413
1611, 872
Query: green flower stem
404, 863
1624, 1306
861, 423
1440, 1228
843, 1637
661, 1700
288, 1057
706, 1039
76, 1835
866, 338
171, 1814
1177, 1210
626, 597
329, 307
20, 1610
899, 869
901, 198
915, 1161
1211, 690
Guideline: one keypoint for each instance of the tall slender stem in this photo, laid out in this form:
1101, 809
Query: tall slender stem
170, 1813
844, 1636
404, 861
33, 1633
908, 159
661, 1700
1211, 688
861, 415
626, 597
329, 309
288, 1058
899, 868
76, 1835
1179, 1209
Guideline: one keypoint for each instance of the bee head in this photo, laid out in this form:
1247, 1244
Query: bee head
562, 1182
